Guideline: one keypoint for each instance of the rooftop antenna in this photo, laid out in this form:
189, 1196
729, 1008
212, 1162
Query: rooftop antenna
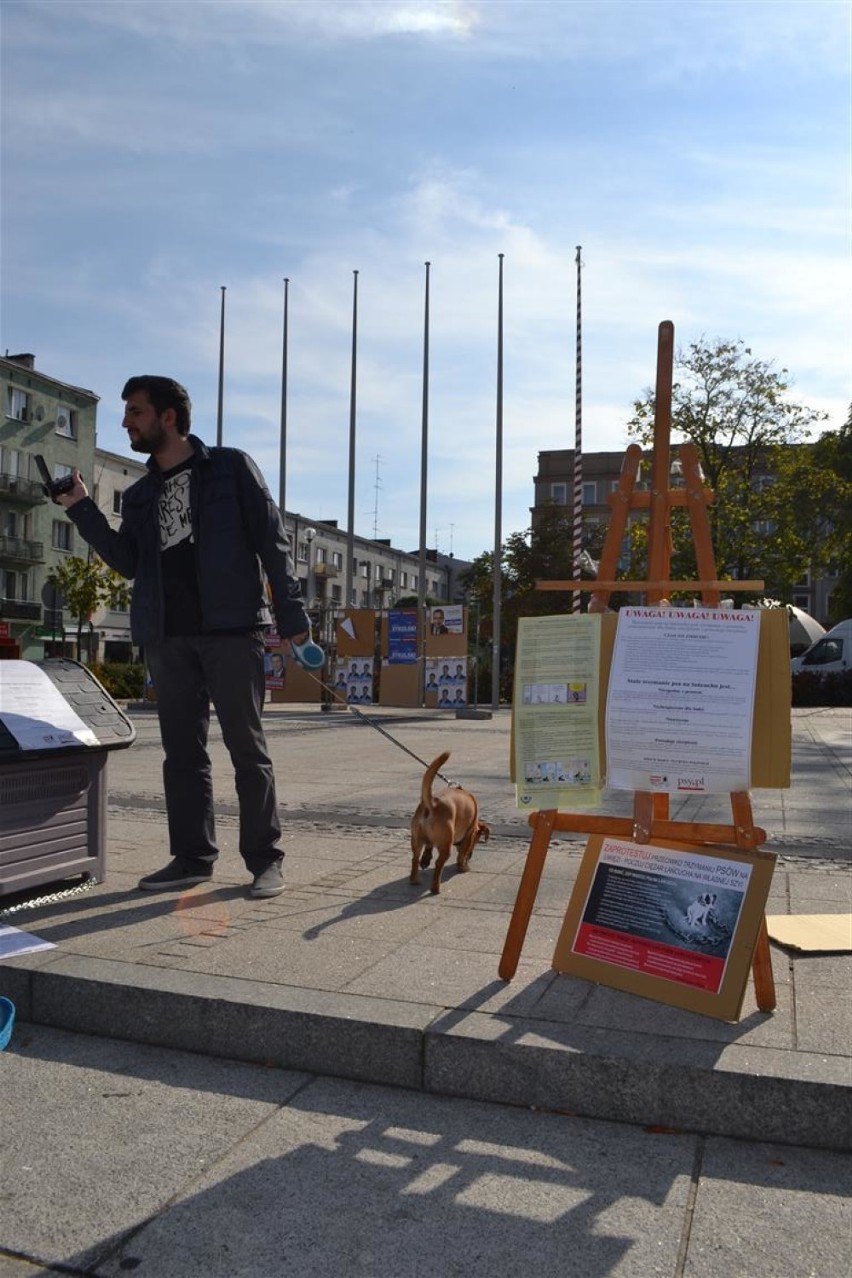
377, 485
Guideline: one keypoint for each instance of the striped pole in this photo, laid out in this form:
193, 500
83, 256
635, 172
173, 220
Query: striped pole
578, 449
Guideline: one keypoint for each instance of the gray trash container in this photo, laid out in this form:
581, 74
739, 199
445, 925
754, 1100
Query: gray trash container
53, 802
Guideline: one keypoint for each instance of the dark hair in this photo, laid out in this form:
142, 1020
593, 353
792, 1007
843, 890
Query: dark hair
163, 393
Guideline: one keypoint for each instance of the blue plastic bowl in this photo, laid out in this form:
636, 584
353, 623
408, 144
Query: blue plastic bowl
7, 1020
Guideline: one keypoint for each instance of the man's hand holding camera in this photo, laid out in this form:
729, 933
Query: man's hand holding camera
73, 490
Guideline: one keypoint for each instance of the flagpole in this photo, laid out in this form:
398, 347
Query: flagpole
282, 452
498, 490
350, 551
578, 449
220, 410
424, 457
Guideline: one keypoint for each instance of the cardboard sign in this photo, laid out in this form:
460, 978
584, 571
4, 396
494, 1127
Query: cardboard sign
677, 923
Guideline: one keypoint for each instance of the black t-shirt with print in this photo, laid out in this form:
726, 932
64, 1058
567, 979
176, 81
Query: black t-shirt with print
181, 599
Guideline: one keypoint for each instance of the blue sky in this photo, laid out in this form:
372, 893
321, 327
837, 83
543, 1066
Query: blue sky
699, 153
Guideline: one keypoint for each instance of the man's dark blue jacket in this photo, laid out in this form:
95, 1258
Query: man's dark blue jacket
236, 529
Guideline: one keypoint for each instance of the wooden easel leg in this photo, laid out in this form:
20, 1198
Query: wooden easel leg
527, 891
761, 970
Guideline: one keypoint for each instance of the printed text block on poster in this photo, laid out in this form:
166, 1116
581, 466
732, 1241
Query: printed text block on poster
680, 702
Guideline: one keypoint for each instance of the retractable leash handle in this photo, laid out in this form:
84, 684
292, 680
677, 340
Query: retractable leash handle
308, 654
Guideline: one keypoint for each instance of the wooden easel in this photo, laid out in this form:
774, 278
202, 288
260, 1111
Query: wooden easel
650, 810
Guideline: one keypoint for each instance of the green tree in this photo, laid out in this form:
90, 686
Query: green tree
85, 585
808, 516
737, 411
834, 453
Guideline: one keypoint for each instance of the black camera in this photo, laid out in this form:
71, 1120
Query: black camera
53, 487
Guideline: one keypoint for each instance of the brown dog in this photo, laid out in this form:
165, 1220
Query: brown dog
447, 820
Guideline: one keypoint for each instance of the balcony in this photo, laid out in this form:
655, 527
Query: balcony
25, 492
20, 551
326, 570
20, 610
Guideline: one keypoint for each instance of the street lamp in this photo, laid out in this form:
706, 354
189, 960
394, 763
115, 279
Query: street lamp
310, 536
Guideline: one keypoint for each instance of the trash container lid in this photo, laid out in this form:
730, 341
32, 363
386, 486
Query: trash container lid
88, 698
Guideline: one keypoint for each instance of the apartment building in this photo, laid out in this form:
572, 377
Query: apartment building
382, 574
41, 415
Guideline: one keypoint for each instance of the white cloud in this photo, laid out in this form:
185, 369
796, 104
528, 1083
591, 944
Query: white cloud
173, 148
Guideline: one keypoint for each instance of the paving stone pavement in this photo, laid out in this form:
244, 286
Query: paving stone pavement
124, 1158
353, 973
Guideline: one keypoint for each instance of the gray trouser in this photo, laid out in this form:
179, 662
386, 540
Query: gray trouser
188, 673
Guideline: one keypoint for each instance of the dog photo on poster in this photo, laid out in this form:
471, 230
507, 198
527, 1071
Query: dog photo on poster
674, 923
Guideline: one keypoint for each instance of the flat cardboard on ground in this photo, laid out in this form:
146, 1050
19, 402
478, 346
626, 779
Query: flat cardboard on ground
812, 933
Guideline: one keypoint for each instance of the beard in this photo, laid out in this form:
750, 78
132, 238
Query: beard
152, 441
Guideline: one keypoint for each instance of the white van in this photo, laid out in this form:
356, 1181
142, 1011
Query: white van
831, 653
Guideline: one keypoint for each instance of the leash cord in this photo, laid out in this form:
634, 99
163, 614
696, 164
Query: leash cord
373, 724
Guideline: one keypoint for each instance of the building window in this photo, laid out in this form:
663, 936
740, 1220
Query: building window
61, 539
365, 570
66, 422
10, 461
559, 494
302, 552
336, 594
403, 578
337, 559
590, 494
116, 503
378, 572
18, 404
320, 554
15, 585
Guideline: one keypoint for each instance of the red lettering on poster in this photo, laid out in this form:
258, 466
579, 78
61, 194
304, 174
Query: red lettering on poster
684, 967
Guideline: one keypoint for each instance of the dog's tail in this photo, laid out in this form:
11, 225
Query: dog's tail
429, 776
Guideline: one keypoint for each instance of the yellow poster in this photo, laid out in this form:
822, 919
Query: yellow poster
556, 738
